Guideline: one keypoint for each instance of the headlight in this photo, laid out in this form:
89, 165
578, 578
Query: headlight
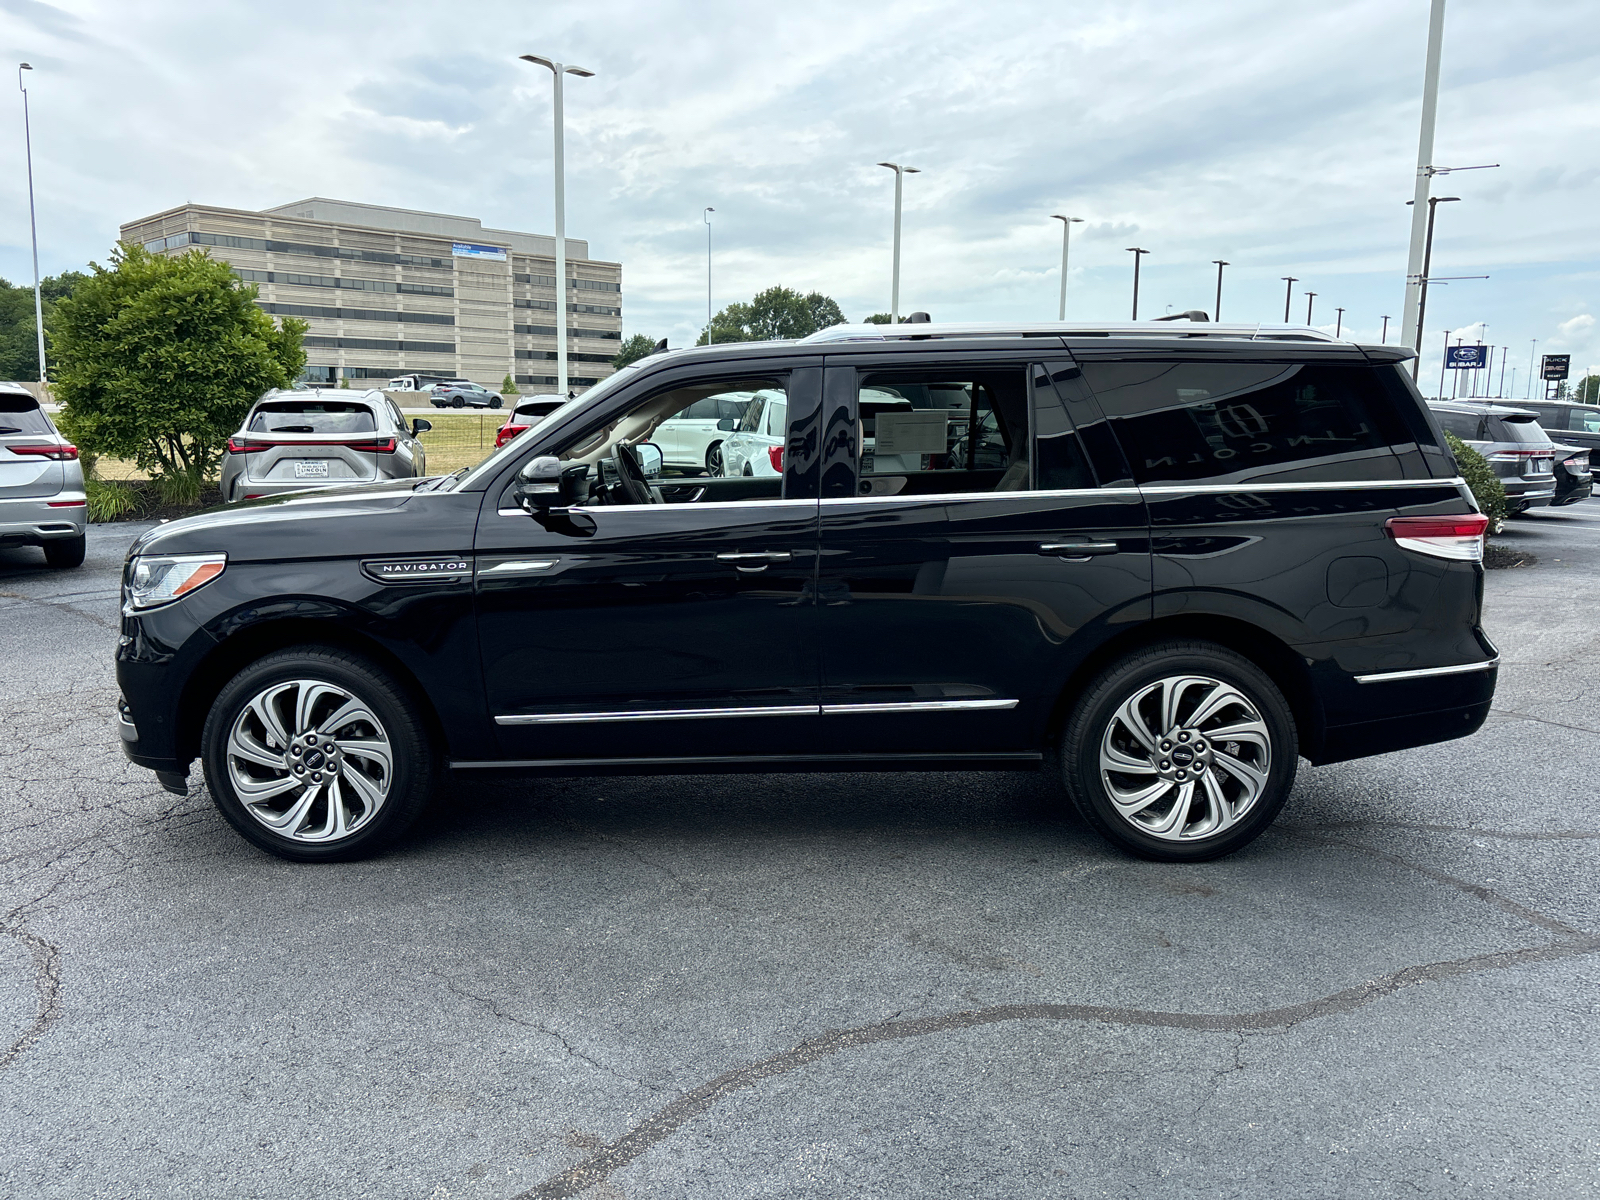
157, 579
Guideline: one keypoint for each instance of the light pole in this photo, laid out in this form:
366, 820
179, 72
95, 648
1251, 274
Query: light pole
1415, 271
1311, 298
1288, 295
1500, 391
1427, 266
1138, 254
706, 216
894, 290
1338, 325
558, 70
38, 305
1386, 331
1532, 346
1220, 264
1444, 364
1066, 238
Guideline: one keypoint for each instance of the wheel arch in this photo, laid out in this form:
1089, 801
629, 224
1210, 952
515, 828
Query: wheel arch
257, 641
1274, 656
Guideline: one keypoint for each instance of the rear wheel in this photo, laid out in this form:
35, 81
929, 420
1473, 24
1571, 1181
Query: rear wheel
714, 459
66, 552
1181, 752
458, 402
315, 755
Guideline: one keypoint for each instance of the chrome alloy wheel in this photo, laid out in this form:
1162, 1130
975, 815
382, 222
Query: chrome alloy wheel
310, 761
1185, 758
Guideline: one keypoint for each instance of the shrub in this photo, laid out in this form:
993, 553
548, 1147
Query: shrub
508, 386
1486, 487
108, 501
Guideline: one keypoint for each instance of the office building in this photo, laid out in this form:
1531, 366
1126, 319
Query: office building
392, 291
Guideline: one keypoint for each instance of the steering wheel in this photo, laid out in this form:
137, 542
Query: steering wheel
634, 484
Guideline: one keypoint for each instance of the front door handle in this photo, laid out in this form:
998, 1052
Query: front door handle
1077, 550
750, 563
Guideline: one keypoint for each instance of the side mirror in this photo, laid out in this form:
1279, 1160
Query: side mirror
539, 483
650, 459
420, 426
727, 424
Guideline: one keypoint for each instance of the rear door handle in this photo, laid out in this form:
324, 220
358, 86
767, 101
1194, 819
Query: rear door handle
1077, 549
754, 561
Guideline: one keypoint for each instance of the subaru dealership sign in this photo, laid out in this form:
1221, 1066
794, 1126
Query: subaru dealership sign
1466, 358
469, 250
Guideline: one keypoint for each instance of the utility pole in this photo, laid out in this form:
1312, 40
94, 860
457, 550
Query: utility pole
1430, 106
894, 291
1444, 364
1338, 325
1427, 267
1532, 346
1137, 255
1311, 298
1066, 240
1288, 295
1386, 331
706, 217
1501, 390
1217, 316
33, 226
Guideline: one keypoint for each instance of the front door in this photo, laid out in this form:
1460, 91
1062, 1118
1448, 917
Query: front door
682, 627
976, 548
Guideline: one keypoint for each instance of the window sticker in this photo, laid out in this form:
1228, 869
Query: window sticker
917, 432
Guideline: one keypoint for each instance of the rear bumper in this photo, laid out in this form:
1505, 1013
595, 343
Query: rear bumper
39, 519
1522, 494
1422, 706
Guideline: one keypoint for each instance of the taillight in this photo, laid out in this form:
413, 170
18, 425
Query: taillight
507, 432
374, 446
1518, 455
236, 446
60, 452
1578, 462
1459, 538
247, 446
775, 457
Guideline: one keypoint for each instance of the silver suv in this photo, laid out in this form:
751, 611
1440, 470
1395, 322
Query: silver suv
42, 502
1520, 452
320, 437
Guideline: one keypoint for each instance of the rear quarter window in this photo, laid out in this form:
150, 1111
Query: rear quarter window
1181, 422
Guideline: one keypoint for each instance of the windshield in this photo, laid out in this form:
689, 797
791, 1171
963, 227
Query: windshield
518, 446
312, 416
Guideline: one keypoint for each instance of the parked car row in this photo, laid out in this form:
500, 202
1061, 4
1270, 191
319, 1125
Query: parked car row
1534, 469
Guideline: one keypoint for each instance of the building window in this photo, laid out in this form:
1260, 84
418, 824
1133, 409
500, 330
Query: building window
546, 304
572, 356
599, 309
548, 281
596, 333
341, 343
537, 330
356, 314
594, 285
555, 380
375, 256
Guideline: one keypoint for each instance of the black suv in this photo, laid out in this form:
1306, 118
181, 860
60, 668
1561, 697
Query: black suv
1164, 562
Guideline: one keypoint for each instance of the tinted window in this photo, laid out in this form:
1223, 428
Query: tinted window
1516, 429
22, 414
305, 416
1229, 422
701, 410
1585, 419
1463, 425
964, 432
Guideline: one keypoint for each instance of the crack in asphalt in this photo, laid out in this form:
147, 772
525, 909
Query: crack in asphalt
75, 611
46, 981
598, 1167
1522, 716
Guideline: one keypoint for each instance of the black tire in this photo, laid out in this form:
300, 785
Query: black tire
458, 402
66, 552
714, 460
410, 777
495, 402
1244, 808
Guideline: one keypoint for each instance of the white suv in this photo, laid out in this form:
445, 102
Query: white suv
42, 502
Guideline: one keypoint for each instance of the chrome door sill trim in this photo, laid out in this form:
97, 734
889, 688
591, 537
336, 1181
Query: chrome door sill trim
900, 706
658, 714
758, 761
1428, 672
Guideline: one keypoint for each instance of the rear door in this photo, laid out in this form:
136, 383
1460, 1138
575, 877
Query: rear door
29, 465
968, 554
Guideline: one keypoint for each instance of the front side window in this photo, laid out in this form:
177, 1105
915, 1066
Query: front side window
924, 433
1232, 422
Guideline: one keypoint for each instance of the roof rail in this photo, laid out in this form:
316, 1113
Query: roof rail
1144, 329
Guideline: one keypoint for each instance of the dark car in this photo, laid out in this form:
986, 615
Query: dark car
1570, 423
1520, 453
1198, 554
464, 395
1574, 475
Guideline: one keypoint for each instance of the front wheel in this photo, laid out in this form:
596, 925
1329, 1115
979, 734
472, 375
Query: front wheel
714, 460
1181, 752
494, 401
314, 755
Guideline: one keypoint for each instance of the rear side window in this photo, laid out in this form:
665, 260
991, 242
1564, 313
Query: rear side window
958, 431
1464, 425
1232, 422
22, 414
308, 416
1585, 420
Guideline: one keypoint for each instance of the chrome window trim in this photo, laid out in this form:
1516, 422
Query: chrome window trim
900, 706
951, 497
1428, 672
595, 510
1342, 485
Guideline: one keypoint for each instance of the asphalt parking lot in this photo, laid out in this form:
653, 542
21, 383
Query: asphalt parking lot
846, 985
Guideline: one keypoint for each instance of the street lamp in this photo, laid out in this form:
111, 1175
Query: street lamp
1338, 325
1427, 264
1311, 298
38, 305
558, 70
1066, 236
894, 290
1138, 254
706, 216
1386, 331
1533, 345
1220, 264
1288, 295
1444, 364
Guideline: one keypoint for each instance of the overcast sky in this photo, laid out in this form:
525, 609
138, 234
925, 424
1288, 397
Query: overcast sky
1281, 137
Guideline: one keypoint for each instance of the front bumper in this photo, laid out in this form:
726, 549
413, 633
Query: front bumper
39, 519
172, 775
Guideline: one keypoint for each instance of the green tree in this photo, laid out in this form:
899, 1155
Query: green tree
1588, 390
508, 385
634, 347
778, 312
159, 359
876, 319
19, 345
